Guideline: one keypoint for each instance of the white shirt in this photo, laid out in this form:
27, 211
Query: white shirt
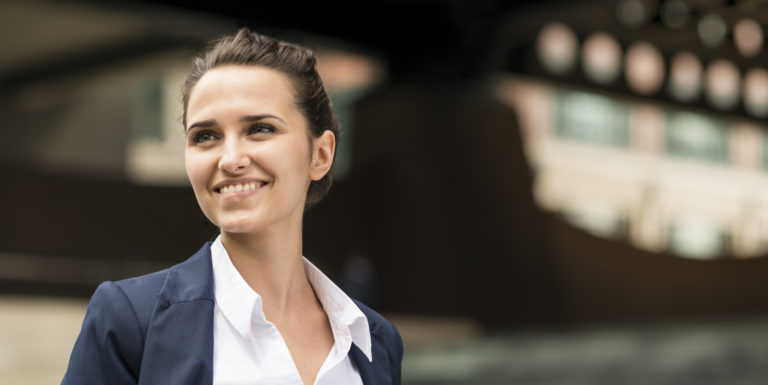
248, 349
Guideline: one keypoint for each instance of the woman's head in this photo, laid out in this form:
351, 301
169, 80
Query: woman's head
297, 63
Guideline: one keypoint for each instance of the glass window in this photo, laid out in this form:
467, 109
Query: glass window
696, 136
343, 106
148, 112
698, 239
597, 218
592, 118
765, 146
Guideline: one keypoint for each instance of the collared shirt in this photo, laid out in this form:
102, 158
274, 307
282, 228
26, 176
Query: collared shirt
248, 349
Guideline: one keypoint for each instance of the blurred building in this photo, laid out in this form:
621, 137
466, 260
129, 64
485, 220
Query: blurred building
528, 153
647, 123
554, 166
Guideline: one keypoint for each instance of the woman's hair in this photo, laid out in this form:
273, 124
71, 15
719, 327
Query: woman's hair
296, 62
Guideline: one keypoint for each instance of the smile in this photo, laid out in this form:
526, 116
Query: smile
239, 187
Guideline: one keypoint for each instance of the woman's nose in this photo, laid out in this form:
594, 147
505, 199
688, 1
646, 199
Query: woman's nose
234, 158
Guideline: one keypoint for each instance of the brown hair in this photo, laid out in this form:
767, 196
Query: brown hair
296, 62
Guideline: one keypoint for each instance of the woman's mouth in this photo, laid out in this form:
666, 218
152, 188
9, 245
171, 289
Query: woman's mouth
239, 187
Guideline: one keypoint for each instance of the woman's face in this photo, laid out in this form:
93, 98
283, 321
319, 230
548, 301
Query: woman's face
248, 153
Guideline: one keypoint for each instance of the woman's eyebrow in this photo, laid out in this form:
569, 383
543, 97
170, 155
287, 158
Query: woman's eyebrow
204, 124
256, 118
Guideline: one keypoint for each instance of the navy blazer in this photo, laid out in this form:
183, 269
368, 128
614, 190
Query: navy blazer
158, 329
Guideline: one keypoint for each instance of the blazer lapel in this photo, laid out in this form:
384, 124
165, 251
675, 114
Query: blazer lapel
376, 372
364, 367
179, 342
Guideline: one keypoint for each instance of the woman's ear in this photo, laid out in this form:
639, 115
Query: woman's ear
323, 148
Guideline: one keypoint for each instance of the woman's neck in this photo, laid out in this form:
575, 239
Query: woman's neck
271, 263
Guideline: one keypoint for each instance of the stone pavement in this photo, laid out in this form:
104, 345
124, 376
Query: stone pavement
732, 352
36, 336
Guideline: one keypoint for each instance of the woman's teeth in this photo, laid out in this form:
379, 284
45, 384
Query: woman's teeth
239, 187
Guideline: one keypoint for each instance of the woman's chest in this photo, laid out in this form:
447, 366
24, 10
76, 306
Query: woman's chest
267, 356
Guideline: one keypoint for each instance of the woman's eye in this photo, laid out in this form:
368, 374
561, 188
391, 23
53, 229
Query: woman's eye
261, 128
201, 137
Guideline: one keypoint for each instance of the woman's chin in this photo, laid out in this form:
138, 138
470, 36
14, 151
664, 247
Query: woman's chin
239, 229
237, 225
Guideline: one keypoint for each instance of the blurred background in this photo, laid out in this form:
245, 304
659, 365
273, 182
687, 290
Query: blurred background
534, 192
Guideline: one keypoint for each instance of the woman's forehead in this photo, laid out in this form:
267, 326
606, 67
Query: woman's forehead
237, 87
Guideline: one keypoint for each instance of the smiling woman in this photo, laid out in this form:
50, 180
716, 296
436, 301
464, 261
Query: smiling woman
246, 308
244, 130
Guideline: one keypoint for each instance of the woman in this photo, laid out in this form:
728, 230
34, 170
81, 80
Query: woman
246, 308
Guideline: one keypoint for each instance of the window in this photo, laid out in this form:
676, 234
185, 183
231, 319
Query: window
697, 238
592, 118
343, 105
696, 136
597, 218
148, 109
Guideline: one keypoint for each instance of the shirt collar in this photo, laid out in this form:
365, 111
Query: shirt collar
345, 317
232, 294
239, 302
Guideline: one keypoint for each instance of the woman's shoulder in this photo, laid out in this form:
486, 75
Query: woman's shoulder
117, 310
139, 295
138, 287
376, 321
142, 291
112, 338
117, 302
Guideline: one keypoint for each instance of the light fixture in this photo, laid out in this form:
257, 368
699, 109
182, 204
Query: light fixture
631, 13
674, 14
557, 48
685, 74
748, 36
696, 238
722, 84
756, 92
711, 30
644, 68
601, 57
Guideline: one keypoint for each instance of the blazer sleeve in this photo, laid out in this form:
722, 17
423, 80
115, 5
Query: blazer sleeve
108, 349
399, 362
395, 354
